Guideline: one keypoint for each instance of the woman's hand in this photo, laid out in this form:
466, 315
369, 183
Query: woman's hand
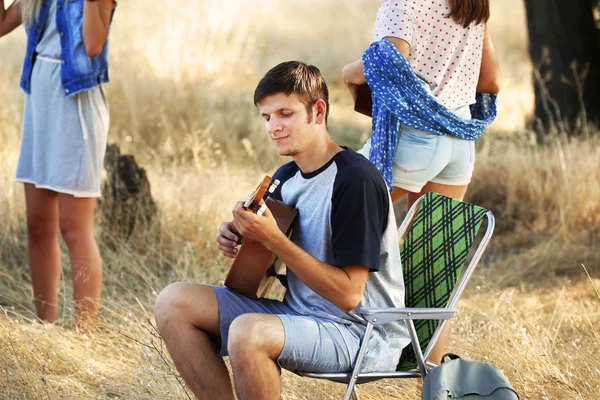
353, 89
353, 75
10, 18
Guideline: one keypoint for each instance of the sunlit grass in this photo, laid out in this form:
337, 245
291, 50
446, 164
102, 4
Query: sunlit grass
181, 101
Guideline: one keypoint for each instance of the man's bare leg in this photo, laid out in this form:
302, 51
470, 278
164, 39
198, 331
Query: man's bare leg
255, 342
187, 316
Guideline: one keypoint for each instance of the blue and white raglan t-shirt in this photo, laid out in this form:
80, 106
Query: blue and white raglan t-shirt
346, 218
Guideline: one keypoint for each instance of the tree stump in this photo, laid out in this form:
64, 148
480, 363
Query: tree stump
126, 204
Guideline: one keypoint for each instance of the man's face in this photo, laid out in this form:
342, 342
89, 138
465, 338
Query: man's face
286, 122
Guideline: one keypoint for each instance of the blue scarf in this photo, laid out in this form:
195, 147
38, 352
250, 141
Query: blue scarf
400, 96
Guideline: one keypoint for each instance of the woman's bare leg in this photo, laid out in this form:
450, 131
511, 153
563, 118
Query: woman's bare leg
76, 221
43, 249
397, 194
455, 192
458, 193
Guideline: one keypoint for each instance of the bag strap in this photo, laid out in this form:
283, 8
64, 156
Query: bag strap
451, 357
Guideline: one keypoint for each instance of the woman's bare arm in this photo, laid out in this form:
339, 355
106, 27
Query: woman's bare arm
96, 22
10, 18
489, 75
353, 73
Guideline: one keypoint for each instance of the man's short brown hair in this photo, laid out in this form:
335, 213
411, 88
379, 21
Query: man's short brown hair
294, 77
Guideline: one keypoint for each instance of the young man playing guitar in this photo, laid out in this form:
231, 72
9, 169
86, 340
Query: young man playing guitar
343, 255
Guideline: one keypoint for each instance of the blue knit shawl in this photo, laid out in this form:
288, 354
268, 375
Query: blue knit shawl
400, 96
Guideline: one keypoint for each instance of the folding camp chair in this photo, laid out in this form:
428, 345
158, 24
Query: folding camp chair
433, 252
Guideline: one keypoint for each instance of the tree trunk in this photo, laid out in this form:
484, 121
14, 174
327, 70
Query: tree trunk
564, 46
126, 204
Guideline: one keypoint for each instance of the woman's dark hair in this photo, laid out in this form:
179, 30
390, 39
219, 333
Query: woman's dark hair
294, 77
465, 12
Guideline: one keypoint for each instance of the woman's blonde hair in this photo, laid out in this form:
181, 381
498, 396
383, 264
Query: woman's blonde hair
29, 10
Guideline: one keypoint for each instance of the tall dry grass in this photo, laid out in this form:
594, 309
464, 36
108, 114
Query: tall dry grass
181, 102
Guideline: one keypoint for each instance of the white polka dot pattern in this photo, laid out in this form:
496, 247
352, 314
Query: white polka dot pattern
400, 96
442, 53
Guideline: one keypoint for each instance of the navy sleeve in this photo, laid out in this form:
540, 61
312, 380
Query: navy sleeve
359, 216
283, 173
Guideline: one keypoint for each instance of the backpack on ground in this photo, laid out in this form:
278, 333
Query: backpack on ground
466, 380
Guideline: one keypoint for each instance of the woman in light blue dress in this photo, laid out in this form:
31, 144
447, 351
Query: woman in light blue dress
63, 141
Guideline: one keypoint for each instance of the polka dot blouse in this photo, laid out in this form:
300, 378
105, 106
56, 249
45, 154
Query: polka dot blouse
442, 52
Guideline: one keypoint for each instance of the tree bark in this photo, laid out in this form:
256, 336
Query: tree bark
564, 46
126, 204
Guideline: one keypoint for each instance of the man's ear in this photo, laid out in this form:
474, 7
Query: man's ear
320, 111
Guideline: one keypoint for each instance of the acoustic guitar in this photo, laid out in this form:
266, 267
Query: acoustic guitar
364, 100
255, 268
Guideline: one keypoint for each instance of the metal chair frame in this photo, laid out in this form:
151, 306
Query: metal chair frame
381, 316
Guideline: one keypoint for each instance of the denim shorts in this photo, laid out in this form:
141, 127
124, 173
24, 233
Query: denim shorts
311, 344
423, 157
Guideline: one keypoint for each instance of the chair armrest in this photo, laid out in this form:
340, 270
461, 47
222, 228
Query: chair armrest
378, 316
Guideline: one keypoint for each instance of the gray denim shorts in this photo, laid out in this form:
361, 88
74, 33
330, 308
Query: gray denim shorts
311, 344
423, 157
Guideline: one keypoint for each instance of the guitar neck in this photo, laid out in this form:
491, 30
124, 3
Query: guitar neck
263, 192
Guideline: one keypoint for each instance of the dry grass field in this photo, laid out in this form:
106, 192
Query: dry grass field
183, 75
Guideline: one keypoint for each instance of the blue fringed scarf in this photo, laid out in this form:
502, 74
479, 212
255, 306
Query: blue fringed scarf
400, 96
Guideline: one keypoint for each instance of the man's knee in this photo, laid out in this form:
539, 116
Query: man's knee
185, 303
169, 303
244, 337
250, 334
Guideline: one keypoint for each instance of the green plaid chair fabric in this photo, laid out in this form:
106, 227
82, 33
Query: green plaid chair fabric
433, 254
436, 238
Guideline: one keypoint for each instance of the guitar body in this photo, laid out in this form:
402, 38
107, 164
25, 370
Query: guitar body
255, 268
364, 100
